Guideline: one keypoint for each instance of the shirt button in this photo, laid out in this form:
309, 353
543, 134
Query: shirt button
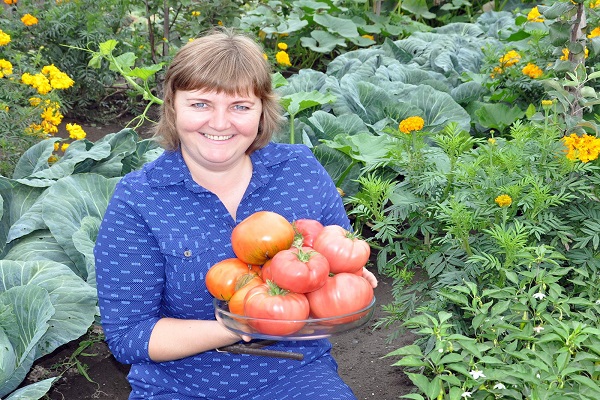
187, 253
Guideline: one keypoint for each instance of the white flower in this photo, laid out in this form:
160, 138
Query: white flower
477, 374
538, 329
539, 296
466, 394
499, 386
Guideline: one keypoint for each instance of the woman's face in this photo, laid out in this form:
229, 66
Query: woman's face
216, 129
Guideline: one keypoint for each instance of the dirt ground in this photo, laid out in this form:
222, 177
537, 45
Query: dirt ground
359, 353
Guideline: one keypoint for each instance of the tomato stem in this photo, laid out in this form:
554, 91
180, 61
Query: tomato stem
275, 290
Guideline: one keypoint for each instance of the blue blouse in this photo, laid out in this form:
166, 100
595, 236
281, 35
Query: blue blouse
161, 233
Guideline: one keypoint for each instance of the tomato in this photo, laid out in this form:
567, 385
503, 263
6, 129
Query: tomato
279, 312
221, 279
260, 236
300, 270
265, 271
343, 293
345, 251
244, 284
306, 231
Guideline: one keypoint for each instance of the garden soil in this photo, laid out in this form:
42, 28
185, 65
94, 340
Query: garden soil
360, 353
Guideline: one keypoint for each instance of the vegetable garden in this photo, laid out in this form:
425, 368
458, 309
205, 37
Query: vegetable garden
464, 137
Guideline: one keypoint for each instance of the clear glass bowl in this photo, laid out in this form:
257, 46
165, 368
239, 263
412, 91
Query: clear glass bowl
309, 329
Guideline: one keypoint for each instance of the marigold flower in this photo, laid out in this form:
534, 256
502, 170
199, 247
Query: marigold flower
282, 46
29, 20
283, 58
534, 15
565, 52
547, 103
411, 124
9, 2
56, 146
584, 148
64, 147
532, 71
369, 37
497, 71
4, 38
35, 101
594, 3
37, 81
594, 33
57, 78
503, 200
195, 13
510, 58
220, 23
6, 68
76, 132
52, 159
492, 141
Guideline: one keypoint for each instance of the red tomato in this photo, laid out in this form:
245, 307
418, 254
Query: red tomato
279, 312
299, 270
345, 251
306, 231
265, 271
342, 294
260, 236
245, 283
221, 279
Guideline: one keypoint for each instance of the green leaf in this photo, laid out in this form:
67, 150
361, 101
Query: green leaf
146, 72
410, 361
341, 26
301, 101
33, 391
125, 61
106, 48
322, 42
418, 7
498, 115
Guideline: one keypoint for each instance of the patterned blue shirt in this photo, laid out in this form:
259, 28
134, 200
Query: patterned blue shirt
162, 232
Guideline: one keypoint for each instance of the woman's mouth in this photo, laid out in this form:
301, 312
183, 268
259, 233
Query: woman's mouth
218, 138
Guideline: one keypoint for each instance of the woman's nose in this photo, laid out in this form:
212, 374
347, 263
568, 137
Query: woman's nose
219, 120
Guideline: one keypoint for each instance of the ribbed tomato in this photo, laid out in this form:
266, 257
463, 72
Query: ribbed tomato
343, 293
260, 236
222, 278
306, 231
300, 270
276, 311
344, 250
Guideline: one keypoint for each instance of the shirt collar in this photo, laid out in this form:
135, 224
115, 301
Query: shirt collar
171, 169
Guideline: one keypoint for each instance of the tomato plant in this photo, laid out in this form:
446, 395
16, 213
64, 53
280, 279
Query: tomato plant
344, 250
244, 284
277, 311
342, 293
300, 270
260, 236
306, 231
222, 278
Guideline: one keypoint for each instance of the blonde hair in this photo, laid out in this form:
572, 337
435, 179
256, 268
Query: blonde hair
225, 62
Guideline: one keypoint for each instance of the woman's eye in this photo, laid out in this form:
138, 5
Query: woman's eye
240, 107
199, 105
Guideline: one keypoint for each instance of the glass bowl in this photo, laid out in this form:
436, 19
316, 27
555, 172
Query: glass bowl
309, 329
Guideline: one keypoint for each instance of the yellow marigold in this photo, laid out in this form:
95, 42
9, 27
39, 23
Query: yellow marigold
594, 3
369, 37
565, 52
532, 71
56, 146
283, 58
9, 2
282, 46
4, 38
35, 101
6, 68
594, 33
534, 15
52, 159
492, 141
49, 128
503, 200
76, 132
497, 71
584, 148
37, 81
411, 124
64, 147
52, 115
547, 102
57, 78
195, 13
510, 58
220, 23
29, 20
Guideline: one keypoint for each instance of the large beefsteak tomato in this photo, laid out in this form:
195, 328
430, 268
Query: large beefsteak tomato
275, 311
260, 236
299, 270
222, 278
307, 231
344, 250
343, 293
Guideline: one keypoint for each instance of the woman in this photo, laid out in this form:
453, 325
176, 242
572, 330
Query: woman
169, 222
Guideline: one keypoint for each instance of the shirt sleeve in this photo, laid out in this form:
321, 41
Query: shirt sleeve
129, 277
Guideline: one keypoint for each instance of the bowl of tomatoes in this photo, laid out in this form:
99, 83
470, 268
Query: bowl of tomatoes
292, 329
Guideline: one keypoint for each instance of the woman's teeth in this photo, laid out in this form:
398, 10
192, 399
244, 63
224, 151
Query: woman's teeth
218, 138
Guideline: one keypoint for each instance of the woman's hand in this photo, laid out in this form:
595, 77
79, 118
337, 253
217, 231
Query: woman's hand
370, 277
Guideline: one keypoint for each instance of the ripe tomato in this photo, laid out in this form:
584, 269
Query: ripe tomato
265, 271
306, 231
221, 279
245, 283
299, 270
260, 236
279, 312
342, 294
345, 251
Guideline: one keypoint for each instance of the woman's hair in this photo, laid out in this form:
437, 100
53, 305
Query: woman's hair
225, 62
